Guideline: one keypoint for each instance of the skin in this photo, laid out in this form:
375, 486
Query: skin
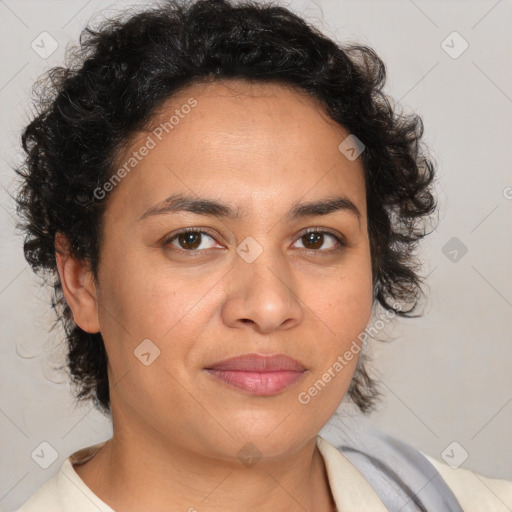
177, 431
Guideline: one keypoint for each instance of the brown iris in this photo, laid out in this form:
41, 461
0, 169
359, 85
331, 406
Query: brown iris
189, 240
316, 240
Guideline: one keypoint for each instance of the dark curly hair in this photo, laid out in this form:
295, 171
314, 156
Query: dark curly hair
123, 71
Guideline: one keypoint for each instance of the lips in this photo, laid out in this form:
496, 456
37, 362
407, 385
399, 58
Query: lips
258, 374
259, 363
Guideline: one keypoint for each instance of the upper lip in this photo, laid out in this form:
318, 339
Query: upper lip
259, 363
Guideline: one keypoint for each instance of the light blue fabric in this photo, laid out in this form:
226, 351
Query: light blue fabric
402, 477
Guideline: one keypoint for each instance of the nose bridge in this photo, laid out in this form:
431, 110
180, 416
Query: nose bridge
263, 267
263, 290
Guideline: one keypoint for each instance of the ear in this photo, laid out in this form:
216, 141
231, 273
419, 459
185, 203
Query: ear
78, 286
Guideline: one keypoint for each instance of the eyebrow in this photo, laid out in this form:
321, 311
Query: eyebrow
203, 206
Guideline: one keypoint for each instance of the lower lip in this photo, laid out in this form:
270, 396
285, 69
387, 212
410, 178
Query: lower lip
257, 383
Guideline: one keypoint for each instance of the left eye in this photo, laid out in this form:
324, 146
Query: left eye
192, 240
315, 240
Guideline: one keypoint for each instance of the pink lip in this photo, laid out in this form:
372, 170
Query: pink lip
258, 374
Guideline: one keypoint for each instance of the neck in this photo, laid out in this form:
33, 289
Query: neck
133, 473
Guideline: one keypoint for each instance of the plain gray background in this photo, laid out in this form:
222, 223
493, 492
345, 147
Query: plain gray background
447, 376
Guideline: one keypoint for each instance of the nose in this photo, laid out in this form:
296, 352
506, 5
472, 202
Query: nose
262, 295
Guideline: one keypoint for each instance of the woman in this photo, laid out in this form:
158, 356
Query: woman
224, 197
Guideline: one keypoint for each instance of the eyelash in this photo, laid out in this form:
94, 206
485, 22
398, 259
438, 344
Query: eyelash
340, 241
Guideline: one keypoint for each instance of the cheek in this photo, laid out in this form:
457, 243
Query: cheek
141, 297
171, 308
142, 303
346, 302
344, 308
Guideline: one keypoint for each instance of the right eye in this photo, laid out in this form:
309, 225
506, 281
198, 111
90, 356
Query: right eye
189, 240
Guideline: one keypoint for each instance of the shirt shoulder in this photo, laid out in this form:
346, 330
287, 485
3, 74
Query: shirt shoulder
45, 499
400, 473
475, 492
66, 492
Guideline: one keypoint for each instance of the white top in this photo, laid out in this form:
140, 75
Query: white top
66, 491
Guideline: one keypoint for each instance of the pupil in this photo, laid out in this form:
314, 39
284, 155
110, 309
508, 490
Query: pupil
315, 239
190, 240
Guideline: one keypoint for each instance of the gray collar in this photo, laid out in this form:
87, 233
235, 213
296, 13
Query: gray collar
401, 476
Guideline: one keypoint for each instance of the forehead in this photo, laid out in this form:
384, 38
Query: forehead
243, 140
253, 94
252, 112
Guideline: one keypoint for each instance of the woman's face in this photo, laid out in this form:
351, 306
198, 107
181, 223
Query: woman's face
170, 307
